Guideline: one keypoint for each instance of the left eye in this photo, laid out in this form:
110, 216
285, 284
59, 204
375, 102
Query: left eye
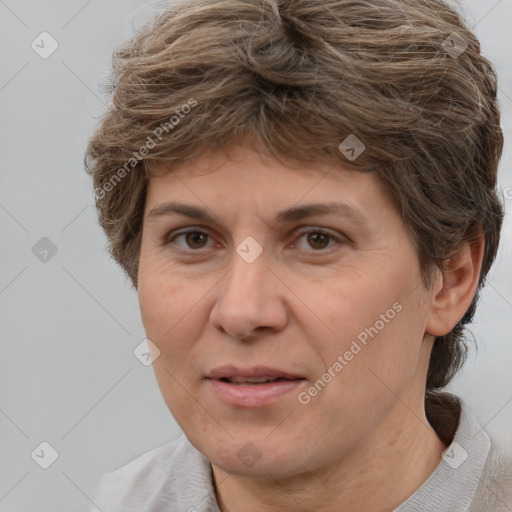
318, 240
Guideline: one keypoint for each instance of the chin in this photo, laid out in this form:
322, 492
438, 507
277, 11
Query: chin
263, 467
254, 456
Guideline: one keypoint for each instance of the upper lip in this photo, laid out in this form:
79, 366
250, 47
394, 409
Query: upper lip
254, 372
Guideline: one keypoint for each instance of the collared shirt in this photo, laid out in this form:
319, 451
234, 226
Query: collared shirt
176, 477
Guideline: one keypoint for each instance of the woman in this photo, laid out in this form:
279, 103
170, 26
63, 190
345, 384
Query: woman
303, 195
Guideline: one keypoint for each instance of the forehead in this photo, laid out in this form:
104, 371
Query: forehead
242, 166
245, 184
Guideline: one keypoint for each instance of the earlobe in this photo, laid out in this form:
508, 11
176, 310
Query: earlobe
460, 278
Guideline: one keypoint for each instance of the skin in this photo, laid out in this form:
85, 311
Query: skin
363, 442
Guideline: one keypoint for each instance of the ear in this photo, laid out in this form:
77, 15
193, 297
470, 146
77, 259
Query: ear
456, 286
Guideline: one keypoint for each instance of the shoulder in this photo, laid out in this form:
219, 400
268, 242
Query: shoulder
494, 491
150, 481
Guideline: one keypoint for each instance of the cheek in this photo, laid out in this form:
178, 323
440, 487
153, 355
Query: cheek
164, 309
162, 301
356, 302
173, 312
376, 320
161, 292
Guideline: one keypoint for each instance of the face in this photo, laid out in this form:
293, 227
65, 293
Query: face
241, 277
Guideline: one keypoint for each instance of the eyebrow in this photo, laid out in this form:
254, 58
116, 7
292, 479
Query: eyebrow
291, 214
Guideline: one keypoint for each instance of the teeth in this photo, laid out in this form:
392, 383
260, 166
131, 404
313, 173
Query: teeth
252, 380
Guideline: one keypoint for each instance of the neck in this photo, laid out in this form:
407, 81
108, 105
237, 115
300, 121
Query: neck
379, 475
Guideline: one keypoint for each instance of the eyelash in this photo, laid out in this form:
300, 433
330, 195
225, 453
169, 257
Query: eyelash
168, 241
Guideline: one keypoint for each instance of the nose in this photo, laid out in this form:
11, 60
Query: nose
251, 300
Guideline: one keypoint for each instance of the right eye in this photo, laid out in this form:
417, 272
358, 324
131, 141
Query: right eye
194, 240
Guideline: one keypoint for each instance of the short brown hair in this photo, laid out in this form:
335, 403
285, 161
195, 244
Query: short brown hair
299, 77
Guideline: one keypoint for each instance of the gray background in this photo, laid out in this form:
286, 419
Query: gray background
68, 375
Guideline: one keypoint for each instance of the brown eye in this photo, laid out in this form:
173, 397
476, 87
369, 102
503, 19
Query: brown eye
315, 240
196, 239
318, 240
192, 240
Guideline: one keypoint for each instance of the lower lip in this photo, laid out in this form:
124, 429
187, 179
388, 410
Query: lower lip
253, 395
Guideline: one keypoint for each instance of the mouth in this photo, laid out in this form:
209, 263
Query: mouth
248, 381
252, 387
253, 374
